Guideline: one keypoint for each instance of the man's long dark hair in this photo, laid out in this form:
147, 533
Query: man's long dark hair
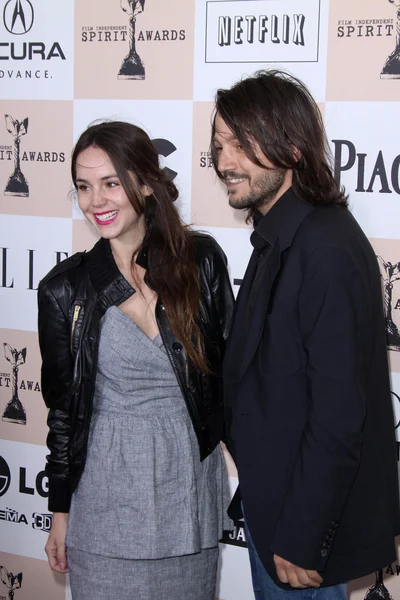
276, 110
172, 269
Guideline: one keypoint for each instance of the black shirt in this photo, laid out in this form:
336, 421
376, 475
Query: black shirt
262, 239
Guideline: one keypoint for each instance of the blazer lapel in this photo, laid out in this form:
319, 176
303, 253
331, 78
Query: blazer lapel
258, 318
237, 333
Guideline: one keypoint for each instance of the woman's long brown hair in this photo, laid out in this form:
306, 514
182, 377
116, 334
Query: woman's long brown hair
172, 268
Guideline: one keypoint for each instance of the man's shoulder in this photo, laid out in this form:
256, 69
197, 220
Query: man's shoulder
328, 225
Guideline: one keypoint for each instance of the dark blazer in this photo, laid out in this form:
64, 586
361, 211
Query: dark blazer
308, 404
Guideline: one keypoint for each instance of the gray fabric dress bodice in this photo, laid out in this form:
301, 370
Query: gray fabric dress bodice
144, 492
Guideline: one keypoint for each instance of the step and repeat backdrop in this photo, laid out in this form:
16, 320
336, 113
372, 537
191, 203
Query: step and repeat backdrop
65, 64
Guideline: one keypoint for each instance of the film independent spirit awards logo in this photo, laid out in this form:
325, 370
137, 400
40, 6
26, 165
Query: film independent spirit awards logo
14, 411
17, 184
390, 273
11, 581
132, 66
391, 68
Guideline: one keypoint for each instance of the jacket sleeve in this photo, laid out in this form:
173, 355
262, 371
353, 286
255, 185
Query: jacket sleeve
56, 378
334, 313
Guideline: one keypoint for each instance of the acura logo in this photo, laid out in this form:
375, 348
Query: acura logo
18, 16
5, 476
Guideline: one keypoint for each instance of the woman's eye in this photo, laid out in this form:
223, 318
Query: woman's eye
82, 188
112, 184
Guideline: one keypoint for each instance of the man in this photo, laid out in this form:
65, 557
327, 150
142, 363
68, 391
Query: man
308, 404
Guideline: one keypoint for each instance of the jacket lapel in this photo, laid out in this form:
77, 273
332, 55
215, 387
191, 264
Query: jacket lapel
258, 318
239, 311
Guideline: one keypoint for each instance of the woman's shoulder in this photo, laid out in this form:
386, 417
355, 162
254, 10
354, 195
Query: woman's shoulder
66, 269
207, 247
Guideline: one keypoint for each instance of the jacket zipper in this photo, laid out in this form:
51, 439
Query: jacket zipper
77, 310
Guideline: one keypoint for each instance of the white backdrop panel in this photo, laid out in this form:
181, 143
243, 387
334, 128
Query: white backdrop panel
171, 120
37, 50
23, 506
363, 138
31, 245
307, 62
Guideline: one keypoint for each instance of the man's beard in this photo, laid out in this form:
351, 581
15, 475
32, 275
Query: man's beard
262, 192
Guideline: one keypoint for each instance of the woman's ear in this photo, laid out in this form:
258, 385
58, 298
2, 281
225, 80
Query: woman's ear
146, 190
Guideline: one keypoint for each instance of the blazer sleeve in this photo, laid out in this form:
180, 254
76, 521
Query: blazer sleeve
56, 378
334, 313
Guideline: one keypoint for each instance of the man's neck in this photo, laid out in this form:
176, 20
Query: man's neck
287, 184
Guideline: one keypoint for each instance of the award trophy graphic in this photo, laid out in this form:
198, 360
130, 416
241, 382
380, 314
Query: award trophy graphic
391, 68
11, 581
378, 591
14, 411
17, 184
132, 66
390, 273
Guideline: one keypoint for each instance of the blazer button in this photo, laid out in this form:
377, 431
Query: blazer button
177, 347
324, 552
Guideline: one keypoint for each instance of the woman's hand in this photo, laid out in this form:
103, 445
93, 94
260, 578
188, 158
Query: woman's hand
55, 548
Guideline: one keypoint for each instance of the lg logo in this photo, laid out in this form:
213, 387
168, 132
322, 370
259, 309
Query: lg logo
40, 486
5, 476
18, 16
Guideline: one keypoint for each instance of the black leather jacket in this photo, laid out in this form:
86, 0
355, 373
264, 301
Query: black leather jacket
72, 299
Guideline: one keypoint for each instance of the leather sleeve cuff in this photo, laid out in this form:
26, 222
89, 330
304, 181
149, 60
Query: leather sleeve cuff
59, 494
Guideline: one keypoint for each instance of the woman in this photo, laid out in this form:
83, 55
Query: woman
132, 336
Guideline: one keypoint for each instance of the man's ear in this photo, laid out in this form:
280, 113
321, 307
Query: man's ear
295, 152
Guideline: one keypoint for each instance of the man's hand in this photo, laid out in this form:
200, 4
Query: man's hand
296, 576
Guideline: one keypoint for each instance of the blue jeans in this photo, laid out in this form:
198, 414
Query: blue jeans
265, 588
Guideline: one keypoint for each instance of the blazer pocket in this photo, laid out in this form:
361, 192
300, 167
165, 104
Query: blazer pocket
281, 350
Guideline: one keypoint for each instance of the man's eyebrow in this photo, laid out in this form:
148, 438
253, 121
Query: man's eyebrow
228, 138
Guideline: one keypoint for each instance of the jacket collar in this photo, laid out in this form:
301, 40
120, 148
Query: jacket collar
109, 283
281, 222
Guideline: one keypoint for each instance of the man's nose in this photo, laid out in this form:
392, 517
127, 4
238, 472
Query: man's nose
226, 161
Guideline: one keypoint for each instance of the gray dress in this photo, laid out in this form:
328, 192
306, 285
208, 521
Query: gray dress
147, 514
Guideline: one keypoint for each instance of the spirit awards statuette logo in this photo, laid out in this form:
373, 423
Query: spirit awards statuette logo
391, 69
132, 66
390, 273
14, 411
17, 184
11, 581
378, 591
18, 16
